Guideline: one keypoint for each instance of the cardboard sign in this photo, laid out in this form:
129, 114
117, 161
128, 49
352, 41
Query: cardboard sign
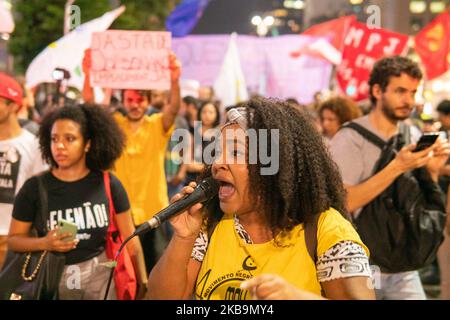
362, 48
131, 60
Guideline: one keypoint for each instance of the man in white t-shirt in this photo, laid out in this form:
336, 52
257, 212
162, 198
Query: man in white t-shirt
20, 157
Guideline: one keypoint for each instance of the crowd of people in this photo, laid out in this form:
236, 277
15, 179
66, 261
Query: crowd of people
353, 211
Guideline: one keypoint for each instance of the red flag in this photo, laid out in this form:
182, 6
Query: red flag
432, 45
362, 48
334, 29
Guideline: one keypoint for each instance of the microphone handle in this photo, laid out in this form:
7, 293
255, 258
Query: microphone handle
172, 210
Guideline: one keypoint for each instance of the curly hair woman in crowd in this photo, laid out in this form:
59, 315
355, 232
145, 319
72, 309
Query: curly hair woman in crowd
336, 111
79, 143
255, 240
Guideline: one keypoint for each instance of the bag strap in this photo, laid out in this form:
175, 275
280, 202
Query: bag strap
405, 131
40, 221
311, 241
106, 180
367, 134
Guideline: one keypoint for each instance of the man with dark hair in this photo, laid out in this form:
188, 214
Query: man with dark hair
392, 67
20, 157
393, 85
443, 110
141, 166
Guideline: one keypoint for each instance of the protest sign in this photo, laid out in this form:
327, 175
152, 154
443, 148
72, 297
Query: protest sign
131, 60
362, 48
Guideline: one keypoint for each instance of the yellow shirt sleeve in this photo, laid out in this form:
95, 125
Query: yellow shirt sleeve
333, 228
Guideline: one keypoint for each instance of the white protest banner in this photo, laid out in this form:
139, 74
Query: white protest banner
131, 60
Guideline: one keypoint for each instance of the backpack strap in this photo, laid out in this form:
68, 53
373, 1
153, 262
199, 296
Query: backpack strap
311, 242
405, 131
211, 229
311, 237
367, 134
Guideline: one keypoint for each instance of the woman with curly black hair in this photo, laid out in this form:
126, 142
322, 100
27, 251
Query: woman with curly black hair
336, 111
267, 235
79, 143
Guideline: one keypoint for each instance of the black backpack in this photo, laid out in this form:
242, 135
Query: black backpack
404, 226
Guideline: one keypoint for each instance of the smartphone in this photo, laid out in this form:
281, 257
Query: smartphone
426, 141
67, 227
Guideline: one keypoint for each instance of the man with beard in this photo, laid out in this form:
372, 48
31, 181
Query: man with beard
141, 166
393, 85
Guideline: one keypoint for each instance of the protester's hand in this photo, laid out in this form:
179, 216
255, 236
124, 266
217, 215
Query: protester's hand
175, 68
441, 152
87, 62
406, 159
54, 241
274, 287
188, 223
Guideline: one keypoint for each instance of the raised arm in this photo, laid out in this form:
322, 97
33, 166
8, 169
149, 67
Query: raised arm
170, 112
88, 91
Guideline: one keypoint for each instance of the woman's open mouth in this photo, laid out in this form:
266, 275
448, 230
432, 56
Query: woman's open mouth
226, 190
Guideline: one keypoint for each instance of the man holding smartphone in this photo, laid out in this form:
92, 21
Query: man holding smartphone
393, 85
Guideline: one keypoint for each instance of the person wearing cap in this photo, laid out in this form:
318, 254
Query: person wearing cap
20, 157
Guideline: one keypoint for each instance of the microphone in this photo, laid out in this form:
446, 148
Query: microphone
204, 191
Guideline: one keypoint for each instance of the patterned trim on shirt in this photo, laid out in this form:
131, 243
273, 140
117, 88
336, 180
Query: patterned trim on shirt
241, 231
201, 243
345, 259
200, 246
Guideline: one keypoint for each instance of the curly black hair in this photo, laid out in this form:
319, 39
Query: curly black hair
308, 182
96, 124
216, 107
394, 66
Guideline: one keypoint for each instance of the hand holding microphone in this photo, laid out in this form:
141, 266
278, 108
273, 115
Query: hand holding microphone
184, 210
189, 222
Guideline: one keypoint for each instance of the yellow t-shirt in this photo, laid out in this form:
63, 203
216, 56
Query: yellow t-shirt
141, 166
229, 260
